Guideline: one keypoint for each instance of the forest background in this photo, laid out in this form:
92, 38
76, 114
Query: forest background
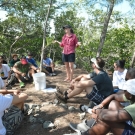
102, 30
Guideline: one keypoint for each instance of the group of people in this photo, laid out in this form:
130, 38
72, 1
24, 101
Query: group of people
106, 96
24, 68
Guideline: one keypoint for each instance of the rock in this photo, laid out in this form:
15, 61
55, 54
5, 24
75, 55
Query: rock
45, 103
40, 120
48, 124
63, 105
71, 108
32, 119
82, 115
55, 101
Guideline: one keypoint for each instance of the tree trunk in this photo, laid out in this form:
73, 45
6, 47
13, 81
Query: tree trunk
44, 36
104, 31
10, 50
133, 60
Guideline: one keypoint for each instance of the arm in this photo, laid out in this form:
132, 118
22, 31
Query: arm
15, 69
35, 68
4, 91
114, 116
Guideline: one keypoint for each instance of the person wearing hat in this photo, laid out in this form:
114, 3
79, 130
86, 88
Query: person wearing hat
24, 71
69, 43
98, 85
31, 60
118, 120
14, 60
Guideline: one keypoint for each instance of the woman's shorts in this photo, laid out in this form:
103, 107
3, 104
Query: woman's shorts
68, 57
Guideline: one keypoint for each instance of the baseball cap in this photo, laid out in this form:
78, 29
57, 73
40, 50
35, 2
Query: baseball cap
95, 62
24, 60
66, 26
130, 86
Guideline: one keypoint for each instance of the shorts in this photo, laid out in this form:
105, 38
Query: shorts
49, 69
129, 130
95, 96
12, 119
68, 57
29, 78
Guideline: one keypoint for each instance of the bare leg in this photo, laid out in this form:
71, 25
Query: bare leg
115, 105
52, 66
18, 77
45, 71
67, 70
71, 70
31, 72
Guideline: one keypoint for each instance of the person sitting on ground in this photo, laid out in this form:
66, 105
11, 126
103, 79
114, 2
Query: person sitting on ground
24, 71
2, 60
14, 60
31, 60
12, 110
119, 75
4, 71
98, 86
118, 120
49, 65
85, 125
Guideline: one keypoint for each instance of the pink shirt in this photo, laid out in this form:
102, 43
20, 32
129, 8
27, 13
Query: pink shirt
69, 43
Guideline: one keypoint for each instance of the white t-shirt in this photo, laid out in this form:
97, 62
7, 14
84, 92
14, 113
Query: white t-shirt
119, 78
1, 83
5, 102
5, 69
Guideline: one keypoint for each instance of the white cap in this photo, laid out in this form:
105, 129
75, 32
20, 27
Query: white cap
95, 62
130, 86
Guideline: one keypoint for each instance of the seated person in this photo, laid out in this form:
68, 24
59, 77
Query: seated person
48, 65
119, 74
1, 83
4, 71
14, 60
31, 60
2, 60
118, 120
84, 126
24, 71
12, 110
98, 86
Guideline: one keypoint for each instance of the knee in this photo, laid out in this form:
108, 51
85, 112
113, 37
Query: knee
113, 105
24, 96
83, 79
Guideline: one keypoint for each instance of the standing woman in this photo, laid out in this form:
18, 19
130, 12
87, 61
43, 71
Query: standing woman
69, 43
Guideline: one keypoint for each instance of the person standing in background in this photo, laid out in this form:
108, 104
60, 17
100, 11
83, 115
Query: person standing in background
69, 43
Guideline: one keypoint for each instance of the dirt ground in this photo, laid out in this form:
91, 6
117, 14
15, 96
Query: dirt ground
60, 116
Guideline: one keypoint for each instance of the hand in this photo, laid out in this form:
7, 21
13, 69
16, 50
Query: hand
16, 92
78, 44
72, 82
100, 106
94, 116
38, 70
55, 41
23, 74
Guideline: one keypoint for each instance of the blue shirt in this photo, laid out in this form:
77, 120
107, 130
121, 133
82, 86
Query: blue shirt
32, 61
47, 61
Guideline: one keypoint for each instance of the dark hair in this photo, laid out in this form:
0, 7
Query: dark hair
2, 56
120, 63
30, 54
23, 57
100, 62
131, 73
71, 30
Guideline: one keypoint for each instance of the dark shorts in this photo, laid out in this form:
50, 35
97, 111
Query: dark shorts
12, 119
49, 69
68, 57
129, 130
95, 96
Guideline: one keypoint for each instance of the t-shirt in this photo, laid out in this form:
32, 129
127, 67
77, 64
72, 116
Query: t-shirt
4, 71
47, 61
103, 83
1, 83
23, 68
119, 78
12, 62
131, 110
5, 102
32, 61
